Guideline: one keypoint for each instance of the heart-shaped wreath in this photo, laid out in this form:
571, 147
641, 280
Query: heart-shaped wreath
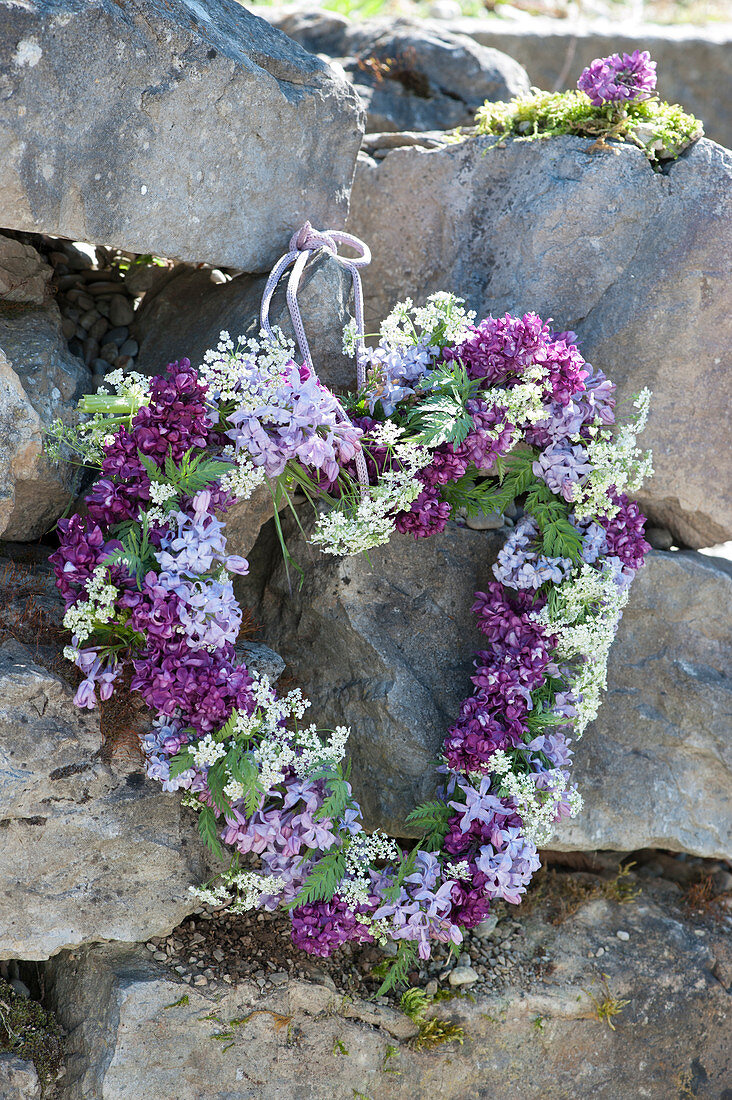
448, 415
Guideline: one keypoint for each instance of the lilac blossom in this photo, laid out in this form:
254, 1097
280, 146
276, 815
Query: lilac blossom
293, 417
619, 78
392, 372
520, 565
563, 466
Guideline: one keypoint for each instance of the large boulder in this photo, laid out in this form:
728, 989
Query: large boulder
655, 767
40, 380
410, 74
193, 130
637, 262
386, 648
89, 852
383, 645
137, 1032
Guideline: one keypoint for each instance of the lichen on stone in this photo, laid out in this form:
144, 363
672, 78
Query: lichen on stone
30, 1032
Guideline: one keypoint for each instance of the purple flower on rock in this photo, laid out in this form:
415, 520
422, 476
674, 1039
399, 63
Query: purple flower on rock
619, 78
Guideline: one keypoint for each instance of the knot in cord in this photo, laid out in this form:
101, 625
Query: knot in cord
305, 241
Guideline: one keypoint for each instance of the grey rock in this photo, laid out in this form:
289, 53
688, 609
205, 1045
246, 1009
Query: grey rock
385, 648
120, 311
184, 314
660, 538
90, 851
694, 63
24, 275
130, 347
194, 130
40, 379
655, 768
129, 1035
18, 1079
410, 74
260, 658
638, 263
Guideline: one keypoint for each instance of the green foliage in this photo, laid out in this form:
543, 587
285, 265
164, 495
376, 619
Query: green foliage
208, 830
390, 1052
180, 1003
29, 1032
136, 552
339, 794
559, 538
193, 473
324, 878
414, 1004
660, 129
440, 415
432, 819
432, 1032
398, 968
606, 1005
339, 1048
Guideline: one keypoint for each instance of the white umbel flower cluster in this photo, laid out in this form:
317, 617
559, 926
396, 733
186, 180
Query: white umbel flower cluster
585, 620
229, 368
616, 460
82, 618
239, 891
536, 805
361, 854
356, 527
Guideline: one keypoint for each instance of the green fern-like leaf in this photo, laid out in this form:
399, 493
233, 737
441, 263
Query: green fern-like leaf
323, 880
181, 762
432, 819
399, 967
208, 829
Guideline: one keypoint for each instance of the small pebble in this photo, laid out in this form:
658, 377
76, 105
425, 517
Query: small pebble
463, 975
118, 335
120, 311
600, 952
623, 935
160, 956
486, 521
130, 347
200, 980
699, 932
431, 988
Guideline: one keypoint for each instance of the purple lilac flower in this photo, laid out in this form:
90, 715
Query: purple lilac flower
520, 565
392, 372
98, 672
427, 516
299, 420
323, 926
174, 422
82, 547
619, 78
422, 910
500, 350
624, 532
563, 466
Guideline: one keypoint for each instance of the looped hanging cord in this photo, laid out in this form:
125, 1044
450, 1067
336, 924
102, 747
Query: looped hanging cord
302, 243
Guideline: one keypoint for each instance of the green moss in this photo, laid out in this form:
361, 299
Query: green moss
661, 130
29, 1032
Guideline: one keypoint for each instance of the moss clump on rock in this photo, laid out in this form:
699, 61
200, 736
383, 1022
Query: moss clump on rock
30, 1032
661, 130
